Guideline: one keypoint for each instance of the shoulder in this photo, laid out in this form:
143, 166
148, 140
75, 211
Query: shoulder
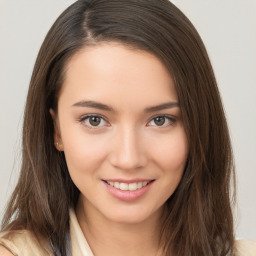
245, 248
22, 242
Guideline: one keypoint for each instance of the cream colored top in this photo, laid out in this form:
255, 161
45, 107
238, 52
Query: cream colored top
24, 243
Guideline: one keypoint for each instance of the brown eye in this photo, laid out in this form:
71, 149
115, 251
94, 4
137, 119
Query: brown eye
94, 120
160, 120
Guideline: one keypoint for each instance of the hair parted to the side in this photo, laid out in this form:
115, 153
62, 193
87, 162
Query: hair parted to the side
198, 219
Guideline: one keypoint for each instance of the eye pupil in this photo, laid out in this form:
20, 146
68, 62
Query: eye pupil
94, 120
160, 120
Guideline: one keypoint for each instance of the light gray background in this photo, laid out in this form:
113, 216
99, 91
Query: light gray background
228, 28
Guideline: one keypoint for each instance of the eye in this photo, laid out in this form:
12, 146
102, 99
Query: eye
161, 121
93, 121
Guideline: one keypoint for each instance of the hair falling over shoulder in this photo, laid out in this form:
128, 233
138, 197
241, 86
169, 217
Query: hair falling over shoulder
198, 218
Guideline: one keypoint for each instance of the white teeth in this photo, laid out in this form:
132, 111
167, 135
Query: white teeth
127, 186
133, 186
116, 185
124, 186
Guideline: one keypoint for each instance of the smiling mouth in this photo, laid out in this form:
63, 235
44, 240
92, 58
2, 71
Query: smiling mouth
128, 186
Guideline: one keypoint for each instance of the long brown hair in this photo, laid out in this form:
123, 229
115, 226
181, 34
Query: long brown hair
199, 218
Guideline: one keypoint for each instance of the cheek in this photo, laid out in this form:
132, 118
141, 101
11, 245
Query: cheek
84, 153
172, 159
171, 153
84, 158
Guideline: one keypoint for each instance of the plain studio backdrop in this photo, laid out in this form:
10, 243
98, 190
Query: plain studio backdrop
228, 29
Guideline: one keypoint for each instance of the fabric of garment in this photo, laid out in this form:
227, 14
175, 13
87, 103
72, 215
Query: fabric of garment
24, 243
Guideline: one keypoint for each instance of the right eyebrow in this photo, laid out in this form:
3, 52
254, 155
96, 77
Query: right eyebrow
93, 104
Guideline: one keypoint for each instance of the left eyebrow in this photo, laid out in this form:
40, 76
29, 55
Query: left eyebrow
162, 106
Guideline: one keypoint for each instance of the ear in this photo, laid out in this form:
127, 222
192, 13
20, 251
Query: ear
57, 136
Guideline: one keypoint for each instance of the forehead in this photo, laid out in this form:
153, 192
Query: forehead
113, 72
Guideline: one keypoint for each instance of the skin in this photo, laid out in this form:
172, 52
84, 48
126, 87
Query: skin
127, 143
4, 251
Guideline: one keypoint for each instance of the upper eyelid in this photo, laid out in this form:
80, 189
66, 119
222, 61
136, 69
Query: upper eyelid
172, 118
83, 117
163, 115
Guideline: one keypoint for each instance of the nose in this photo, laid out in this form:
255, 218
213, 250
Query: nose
128, 150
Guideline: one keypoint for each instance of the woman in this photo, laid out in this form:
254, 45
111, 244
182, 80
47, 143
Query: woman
126, 149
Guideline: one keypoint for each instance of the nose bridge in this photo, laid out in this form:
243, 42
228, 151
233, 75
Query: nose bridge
128, 151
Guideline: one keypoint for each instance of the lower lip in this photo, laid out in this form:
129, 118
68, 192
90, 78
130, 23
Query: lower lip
126, 195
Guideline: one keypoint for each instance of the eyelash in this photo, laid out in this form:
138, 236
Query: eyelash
170, 119
87, 117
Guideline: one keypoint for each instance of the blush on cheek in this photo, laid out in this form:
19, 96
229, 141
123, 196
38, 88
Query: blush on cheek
84, 154
174, 155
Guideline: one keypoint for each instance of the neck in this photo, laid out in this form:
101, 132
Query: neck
110, 238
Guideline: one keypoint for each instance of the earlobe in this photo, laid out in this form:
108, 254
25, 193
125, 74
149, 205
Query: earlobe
57, 137
58, 145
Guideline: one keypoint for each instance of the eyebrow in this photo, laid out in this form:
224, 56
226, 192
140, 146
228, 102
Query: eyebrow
93, 104
97, 105
162, 106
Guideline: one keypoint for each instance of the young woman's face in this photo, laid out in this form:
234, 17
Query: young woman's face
120, 127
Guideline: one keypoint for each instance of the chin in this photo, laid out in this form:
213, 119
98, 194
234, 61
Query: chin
132, 216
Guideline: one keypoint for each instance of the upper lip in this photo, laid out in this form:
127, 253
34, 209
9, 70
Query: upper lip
128, 181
